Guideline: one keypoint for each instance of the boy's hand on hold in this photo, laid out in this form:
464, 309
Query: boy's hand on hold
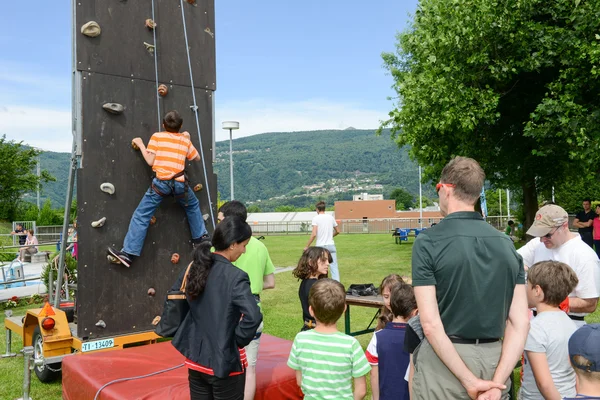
137, 143
186, 134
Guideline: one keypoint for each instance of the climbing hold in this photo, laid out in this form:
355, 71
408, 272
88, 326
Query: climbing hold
175, 258
163, 89
150, 24
101, 324
152, 220
113, 259
149, 47
91, 29
207, 30
135, 146
205, 216
113, 108
193, 2
151, 292
107, 187
156, 320
99, 223
198, 187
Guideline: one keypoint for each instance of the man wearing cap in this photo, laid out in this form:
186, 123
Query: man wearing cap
470, 289
584, 353
553, 241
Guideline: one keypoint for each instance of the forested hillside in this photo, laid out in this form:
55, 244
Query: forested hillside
293, 168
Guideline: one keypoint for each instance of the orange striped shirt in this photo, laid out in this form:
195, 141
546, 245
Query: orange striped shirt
171, 150
209, 371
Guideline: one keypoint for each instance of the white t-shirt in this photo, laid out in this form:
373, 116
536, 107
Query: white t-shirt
325, 224
577, 255
549, 333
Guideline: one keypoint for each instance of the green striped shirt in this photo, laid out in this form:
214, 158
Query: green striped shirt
328, 363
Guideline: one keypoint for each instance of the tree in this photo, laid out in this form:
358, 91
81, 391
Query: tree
512, 84
17, 176
404, 200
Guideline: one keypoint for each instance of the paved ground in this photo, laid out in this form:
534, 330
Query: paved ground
21, 289
283, 269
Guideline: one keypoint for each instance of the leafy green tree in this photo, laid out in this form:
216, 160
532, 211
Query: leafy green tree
512, 84
48, 216
285, 209
17, 175
253, 208
404, 200
571, 196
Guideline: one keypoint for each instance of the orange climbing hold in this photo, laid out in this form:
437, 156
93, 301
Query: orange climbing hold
198, 187
163, 89
175, 258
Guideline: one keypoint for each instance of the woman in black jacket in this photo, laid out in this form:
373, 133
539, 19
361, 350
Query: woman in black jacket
223, 315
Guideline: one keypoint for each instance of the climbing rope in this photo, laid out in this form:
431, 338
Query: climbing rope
195, 109
156, 72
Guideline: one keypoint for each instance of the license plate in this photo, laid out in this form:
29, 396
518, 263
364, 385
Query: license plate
97, 345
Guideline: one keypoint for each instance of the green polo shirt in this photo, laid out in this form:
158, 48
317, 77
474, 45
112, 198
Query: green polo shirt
474, 269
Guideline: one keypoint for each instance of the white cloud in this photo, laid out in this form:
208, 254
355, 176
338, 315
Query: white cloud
259, 116
50, 129
43, 128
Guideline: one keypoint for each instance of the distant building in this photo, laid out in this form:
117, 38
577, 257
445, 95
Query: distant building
367, 197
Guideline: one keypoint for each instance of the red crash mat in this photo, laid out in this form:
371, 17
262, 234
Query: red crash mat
84, 374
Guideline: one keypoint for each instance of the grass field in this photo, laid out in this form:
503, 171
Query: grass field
362, 259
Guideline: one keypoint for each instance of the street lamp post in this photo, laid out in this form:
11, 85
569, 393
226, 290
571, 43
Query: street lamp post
231, 125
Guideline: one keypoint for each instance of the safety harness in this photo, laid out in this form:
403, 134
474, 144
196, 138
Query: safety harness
186, 185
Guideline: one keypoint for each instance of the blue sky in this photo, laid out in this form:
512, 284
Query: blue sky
281, 66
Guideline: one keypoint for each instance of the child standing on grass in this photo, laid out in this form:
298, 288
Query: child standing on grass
389, 362
547, 373
313, 265
326, 361
385, 314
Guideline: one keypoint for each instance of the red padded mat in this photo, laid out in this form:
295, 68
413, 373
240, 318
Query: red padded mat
84, 374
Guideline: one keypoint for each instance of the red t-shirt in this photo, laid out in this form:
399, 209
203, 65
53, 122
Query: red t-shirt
596, 225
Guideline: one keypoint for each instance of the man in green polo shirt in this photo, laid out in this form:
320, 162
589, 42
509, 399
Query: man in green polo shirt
257, 263
470, 290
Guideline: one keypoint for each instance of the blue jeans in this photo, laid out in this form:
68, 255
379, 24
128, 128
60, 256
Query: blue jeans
333, 266
138, 227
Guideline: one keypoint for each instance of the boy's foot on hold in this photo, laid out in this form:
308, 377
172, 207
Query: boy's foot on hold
203, 238
122, 257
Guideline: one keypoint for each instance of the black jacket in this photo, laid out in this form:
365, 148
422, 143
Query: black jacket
212, 332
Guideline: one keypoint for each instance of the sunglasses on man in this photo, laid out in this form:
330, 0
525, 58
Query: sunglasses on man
439, 186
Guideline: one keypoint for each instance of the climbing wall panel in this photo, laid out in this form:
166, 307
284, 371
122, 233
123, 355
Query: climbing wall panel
120, 50
113, 293
116, 67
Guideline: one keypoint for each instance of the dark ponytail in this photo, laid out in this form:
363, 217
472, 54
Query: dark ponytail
199, 270
231, 230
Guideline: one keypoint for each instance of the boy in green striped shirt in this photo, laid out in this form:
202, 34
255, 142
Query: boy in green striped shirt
325, 359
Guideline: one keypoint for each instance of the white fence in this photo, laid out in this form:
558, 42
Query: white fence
380, 225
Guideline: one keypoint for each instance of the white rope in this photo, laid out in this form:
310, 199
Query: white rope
159, 128
195, 109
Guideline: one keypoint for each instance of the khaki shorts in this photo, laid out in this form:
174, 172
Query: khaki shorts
432, 380
252, 348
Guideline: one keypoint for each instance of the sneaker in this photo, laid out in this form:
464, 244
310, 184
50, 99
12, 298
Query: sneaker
203, 238
123, 258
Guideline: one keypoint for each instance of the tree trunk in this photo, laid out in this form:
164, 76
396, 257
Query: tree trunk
530, 203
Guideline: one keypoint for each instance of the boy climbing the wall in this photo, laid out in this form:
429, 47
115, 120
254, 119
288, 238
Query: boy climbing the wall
166, 153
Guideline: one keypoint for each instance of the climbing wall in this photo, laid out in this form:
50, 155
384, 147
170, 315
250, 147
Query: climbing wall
121, 65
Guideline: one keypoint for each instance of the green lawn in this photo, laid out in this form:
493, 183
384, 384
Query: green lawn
362, 259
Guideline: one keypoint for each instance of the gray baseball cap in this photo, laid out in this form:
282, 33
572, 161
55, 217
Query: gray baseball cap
546, 219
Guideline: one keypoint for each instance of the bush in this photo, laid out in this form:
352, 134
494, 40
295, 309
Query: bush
70, 270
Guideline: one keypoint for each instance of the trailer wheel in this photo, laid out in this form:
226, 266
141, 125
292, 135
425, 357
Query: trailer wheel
45, 373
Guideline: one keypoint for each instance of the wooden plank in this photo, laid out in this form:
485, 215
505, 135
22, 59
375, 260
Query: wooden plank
365, 301
113, 293
119, 49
